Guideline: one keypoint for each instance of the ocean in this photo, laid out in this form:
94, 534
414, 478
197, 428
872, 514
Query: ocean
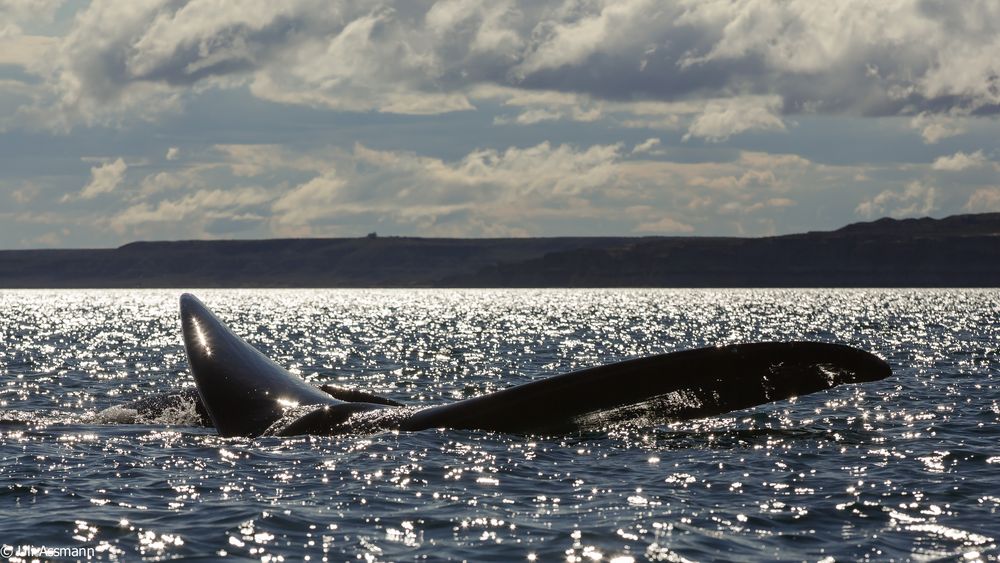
902, 469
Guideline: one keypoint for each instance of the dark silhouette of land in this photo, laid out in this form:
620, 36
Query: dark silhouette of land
958, 251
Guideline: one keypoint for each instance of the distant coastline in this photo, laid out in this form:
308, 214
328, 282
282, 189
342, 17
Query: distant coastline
957, 251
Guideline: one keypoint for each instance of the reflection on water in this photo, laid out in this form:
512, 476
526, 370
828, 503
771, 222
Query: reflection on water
902, 468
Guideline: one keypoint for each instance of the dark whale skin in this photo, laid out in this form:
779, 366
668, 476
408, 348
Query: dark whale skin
247, 394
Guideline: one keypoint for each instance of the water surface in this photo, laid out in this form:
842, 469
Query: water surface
904, 468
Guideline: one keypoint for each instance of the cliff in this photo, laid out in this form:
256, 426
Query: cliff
957, 251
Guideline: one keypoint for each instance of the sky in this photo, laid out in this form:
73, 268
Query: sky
204, 119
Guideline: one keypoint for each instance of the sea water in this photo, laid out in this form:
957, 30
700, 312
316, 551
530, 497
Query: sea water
905, 468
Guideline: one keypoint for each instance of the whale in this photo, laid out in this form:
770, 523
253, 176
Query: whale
241, 392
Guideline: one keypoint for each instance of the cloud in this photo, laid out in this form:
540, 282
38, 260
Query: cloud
565, 183
25, 193
536, 106
915, 199
24, 50
22, 54
542, 189
984, 200
314, 201
934, 128
50, 239
13, 13
103, 179
189, 214
484, 193
197, 176
664, 226
960, 161
374, 62
254, 160
173, 153
722, 119
124, 61
779, 172
646, 146
572, 41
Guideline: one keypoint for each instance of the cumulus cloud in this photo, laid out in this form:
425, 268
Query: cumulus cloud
984, 200
103, 179
24, 50
253, 160
536, 106
722, 119
736, 207
314, 201
483, 193
193, 177
126, 60
19, 48
916, 198
13, 13
960, 161
193, 211
934, 128
646, 146
542, 189
25, 193
665, 225
173, 153
779, 172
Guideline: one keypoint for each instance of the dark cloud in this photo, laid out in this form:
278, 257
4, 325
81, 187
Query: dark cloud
849, 57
